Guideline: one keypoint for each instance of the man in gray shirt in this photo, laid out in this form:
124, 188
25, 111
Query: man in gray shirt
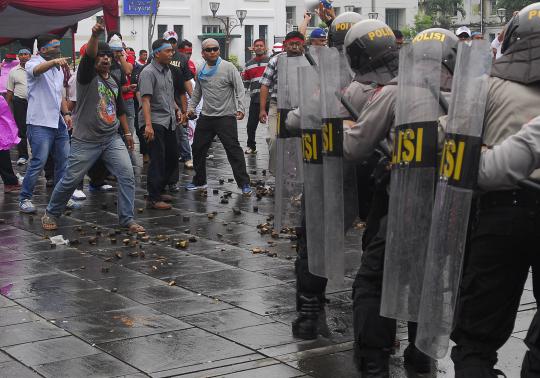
221, 85
158, 117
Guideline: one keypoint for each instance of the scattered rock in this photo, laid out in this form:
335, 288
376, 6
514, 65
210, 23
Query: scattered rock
172, 283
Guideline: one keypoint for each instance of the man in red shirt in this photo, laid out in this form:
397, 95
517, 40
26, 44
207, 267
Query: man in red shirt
252, 75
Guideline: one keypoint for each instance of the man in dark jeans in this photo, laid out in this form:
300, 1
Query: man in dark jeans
223, 90
252, 79
159, 114
16, 96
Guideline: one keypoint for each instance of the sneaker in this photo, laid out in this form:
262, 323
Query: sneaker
210, 156
26, 206
73, 205
250, 151
78, 195
246, 189
102, 188
191, 187
173, 188
22, 161
12, 188
188, 164
20, 178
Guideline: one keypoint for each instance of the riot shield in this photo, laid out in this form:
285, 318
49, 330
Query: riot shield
311, 125
457, 175
334, 78
412, 180
288, 189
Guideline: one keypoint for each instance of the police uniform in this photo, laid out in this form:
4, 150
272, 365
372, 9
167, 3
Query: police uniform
504, 233
374, 334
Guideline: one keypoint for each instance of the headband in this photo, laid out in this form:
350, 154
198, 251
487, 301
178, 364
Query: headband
51, 44
162, 47
186, 50
24, 51
294, 39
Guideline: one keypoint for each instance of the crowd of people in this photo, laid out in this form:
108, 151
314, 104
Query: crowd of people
86, 123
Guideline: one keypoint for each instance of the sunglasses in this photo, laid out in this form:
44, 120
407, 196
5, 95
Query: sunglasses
211, 49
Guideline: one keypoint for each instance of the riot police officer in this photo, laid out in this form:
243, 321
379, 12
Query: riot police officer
374, 334
504, 236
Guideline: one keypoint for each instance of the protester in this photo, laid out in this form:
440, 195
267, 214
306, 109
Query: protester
252, 77
48, 117
100, 110
477, 35
317, 37
463, 33
223, 106
9, 63
143, 56
277, 48
400, 40
16, 96
158, 116
8, 138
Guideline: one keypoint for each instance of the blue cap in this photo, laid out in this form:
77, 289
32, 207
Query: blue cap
24, 51
318, 33
475, 33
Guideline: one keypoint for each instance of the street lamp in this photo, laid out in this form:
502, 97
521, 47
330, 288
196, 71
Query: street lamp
501, 13
349, 8
373, 15
229, 22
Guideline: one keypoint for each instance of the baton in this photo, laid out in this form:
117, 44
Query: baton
347, 105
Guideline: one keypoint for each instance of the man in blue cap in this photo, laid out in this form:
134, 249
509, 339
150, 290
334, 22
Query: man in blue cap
318, 37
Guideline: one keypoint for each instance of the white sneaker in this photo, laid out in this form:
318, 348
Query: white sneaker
72, 205
189, 164
210, 156
20, 178
22, 161
78, 195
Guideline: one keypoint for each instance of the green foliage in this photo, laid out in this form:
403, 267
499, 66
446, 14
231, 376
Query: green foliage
234, 60
513, 5
421, 22
441, 11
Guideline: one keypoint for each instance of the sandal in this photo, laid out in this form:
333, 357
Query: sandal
48, 223
134, 227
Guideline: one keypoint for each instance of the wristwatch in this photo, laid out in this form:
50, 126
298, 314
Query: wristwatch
66, 113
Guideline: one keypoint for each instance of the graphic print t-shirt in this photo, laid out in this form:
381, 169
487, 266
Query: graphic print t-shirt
99, 104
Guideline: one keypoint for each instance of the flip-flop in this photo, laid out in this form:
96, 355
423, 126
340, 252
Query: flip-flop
48, 223
134, 227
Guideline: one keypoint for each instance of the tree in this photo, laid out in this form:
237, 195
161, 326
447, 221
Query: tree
513, 5
441, 11
421, 23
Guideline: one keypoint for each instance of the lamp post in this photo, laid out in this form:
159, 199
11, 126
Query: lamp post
373, 15
501, 13
349, 8
229, 22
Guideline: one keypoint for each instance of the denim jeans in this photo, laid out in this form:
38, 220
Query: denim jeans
44, 140
83, 155
183, 143
130, 115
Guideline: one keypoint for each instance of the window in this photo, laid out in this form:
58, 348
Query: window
493, 7
491, 37
179, 30
358, 10
161, 29
337, 10
248, 33
291, 15
263, 32
211, 29
395, 18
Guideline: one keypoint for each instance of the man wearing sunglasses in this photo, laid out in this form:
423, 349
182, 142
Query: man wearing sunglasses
223, 106
100, 112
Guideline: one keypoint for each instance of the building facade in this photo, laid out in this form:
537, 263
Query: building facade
480, 16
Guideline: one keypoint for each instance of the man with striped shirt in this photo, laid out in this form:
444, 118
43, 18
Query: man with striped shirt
252, 75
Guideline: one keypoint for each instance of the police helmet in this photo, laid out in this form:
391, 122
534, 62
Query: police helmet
340, 26
448, 40
525, 24
369, 44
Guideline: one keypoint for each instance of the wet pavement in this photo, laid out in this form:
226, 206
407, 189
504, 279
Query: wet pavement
209, 293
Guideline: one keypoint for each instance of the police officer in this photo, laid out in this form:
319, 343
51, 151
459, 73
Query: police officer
504, 235
374, 334
310, 289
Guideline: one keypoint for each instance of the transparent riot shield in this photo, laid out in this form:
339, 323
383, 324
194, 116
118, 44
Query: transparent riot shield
311, 125
412, 180
289, 186
334, 78
457, 176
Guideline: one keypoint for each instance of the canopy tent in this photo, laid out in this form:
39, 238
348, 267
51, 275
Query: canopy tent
23, 19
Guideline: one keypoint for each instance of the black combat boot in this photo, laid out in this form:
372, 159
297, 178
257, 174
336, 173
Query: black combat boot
372, 363
478, 372
419, 361
305, 325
